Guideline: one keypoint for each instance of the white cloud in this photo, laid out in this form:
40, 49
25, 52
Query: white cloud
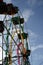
33, 48
27, 14
1, 55
33, 40
2, 17
7, 1
32, 34
33, 37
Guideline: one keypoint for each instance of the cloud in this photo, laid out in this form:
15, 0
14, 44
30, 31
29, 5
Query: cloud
7, 1
33, 37
33, 48
2, 17
27, 14
1, 54
32, 34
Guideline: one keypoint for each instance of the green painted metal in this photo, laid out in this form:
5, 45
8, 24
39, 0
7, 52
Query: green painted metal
17, 20
7, 46
24, 35
1, 26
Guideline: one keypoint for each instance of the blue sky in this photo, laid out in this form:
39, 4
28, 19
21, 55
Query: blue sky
32, 11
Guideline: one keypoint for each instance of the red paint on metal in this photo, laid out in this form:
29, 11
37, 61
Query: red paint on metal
1, 0
18, 52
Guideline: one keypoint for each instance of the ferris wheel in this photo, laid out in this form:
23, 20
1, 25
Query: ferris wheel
14, 39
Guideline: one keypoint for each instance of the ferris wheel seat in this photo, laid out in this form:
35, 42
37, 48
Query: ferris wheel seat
17, 20
24, 35
22, 20
1, 0
28, 52
3, 8
1, 64
11, 9
1, 26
